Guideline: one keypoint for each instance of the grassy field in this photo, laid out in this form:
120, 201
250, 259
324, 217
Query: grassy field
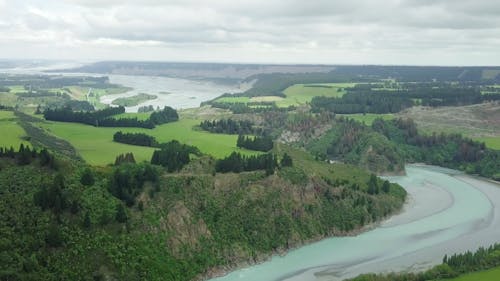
368, 118
8, 99
296, 94
139, 116
491, 142
17, 89
11, 131
487, 275
303, 93
233, 99
96, 145
266, 99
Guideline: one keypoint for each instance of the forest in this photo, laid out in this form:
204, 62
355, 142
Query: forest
237, 163
263, 144
373, 100
228, 126
387, 145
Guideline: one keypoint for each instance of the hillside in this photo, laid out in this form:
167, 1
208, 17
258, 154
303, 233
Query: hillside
180, 226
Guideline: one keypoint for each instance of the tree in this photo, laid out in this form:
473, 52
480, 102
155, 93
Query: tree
124, 158
373, 184
121, 215
87, 177
86, 221
286, 160
38, 110
386, 186
54, 236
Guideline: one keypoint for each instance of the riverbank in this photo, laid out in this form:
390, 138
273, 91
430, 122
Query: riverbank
414, 240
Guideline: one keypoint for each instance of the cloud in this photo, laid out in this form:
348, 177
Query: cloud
291, 31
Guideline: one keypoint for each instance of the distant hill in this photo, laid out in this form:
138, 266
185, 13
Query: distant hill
195, 70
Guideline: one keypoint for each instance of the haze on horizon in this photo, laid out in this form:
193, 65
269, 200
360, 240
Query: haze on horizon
409, 32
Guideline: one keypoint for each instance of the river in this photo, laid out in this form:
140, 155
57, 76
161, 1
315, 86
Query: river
447, 212
175, 92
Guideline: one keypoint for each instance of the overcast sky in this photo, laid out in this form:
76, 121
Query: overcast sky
421, 32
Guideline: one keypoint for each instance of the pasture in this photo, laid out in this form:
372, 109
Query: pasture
96, 146
11, 131
139, 116
303, 93
296, 94
487, 275
233, 99
490, 142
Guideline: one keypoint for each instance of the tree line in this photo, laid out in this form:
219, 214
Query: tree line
135, 139
228, 126
237, 163
26, 155
361, 100
250, 107
103, 117
66, 114
257, 143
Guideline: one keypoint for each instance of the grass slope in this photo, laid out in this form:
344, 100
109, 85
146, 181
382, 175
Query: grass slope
10, 130
139, 116
295, 95
303, 93
487, 275
96, 145
491, 142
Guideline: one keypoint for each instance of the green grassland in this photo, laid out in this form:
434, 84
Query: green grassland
10, 130
8, 99
295, 95
491, 142
96, 144
139, 116
17, 89
368, 117
487, 275
233, 99
303, 93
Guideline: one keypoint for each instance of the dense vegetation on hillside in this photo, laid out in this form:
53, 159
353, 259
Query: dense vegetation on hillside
387, 144
186, 215
117, 221
449, 150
